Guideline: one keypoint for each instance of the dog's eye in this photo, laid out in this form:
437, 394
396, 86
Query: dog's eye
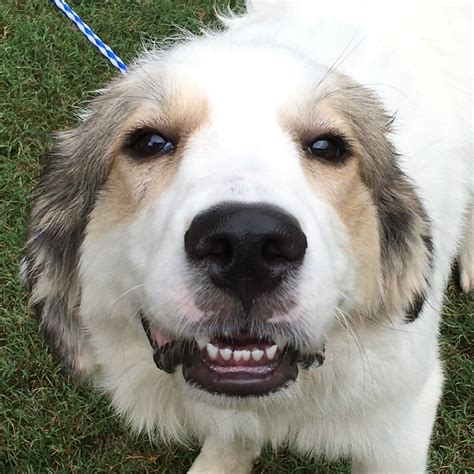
328, 148
150, 143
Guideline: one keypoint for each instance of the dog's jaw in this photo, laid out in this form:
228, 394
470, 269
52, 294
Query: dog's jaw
240, 365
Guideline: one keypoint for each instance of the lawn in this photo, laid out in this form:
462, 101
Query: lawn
50, 422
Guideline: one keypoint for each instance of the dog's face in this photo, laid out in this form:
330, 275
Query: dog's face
229, 207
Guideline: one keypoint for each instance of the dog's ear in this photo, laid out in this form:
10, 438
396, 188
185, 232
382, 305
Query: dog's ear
406, 243
70, 181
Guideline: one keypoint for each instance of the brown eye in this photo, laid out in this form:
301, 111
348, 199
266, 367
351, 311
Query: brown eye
328, 148
149, 143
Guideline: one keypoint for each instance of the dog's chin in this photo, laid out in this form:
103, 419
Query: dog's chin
239, 365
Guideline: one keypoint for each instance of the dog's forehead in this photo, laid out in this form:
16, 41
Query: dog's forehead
246, 78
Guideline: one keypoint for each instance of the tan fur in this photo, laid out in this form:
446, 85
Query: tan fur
342, 187
357, 193
132, 185
349, 197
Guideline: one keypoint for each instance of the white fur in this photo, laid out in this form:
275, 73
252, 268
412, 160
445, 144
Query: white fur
375, 397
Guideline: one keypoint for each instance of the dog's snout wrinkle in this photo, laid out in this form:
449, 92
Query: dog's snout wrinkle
246, 249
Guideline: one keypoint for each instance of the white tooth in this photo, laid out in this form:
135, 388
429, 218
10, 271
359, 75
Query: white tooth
226, 353
281, 342
202, 341
212, 351
257, 354
237, 355
245, 355
270, 352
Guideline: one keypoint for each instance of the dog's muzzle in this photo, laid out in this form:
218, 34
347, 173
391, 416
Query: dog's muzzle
245, 251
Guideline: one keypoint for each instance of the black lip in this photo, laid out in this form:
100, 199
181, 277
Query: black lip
167, 358
241, 382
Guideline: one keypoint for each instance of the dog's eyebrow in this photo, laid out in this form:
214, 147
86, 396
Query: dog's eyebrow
312, 134
306, 132
152, 121
174, 115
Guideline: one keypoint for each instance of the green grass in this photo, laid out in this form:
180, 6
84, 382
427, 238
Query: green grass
48, 421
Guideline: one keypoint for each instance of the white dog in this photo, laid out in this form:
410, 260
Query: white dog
248, 237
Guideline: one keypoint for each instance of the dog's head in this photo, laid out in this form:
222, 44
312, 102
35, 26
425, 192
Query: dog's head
230, 207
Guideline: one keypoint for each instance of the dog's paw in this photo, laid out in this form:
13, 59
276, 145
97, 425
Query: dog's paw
203, 466
225, 458
466, 261
466, 278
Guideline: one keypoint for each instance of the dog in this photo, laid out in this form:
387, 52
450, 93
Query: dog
247, 238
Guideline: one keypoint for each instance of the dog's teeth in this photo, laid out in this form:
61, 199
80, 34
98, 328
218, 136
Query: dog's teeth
202, 341
257, 354
245, 355
226, 353
237, 355
281, 342
212, 351
270, 352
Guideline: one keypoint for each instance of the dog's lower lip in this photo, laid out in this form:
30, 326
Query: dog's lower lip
239, 379
241, 365
237, 365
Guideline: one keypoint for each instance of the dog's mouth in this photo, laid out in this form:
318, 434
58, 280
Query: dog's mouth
239, 365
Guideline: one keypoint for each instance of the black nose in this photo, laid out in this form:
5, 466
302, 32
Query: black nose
247, 249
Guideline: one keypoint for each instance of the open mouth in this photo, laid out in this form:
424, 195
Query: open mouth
239, 365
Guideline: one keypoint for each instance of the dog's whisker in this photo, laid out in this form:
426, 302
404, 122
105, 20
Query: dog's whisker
126, 292
340, 59
347, 323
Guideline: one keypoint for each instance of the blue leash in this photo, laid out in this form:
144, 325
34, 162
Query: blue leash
90, 35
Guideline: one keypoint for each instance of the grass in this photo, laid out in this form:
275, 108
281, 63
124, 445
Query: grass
48, 421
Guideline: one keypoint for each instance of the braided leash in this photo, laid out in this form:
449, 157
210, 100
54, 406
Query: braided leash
90, 35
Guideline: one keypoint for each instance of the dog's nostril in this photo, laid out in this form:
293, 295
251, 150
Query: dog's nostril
289, 249
247, 249
220, 248
202, 246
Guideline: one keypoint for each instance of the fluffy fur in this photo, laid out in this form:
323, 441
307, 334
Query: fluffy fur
106, 231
